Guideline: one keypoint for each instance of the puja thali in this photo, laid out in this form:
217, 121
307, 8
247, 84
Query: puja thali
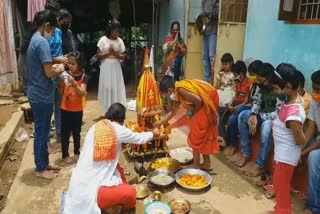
193, 179
169, 164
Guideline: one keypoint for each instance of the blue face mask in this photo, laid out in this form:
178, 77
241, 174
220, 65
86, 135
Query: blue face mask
283, 96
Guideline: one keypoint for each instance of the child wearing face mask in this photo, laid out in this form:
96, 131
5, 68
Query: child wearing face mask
288, 133
239, 102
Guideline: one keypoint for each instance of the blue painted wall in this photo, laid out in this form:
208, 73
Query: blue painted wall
274, 41
170, 11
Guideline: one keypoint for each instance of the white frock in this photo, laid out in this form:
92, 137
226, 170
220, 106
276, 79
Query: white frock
111, 83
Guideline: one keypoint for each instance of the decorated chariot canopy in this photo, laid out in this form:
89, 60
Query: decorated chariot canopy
148, 95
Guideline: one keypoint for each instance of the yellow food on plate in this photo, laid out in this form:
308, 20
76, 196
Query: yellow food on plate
161, 163
193, 180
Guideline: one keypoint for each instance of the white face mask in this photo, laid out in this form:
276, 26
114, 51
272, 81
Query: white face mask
47, 35
172, 97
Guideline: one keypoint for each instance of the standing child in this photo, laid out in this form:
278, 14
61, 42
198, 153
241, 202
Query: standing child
73, 87
287, 133
225, 87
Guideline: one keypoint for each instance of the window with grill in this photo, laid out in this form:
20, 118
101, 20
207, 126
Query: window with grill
234, 11
309, 10
300, 11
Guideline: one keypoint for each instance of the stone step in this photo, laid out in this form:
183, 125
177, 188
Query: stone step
7, 134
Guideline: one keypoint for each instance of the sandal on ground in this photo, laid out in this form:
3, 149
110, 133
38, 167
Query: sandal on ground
270, 194
265, 180
208, 170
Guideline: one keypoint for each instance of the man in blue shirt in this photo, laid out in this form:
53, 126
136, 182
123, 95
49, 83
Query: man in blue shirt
210, 10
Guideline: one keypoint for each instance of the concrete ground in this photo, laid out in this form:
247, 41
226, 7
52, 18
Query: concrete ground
229, 193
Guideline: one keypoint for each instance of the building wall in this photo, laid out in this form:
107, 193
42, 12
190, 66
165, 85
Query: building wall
170, 11
276, 41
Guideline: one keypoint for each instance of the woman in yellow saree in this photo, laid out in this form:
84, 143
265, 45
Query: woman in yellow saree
202, 101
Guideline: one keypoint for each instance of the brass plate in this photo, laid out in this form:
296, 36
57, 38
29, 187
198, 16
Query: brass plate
142, 191
201, 24
169, 164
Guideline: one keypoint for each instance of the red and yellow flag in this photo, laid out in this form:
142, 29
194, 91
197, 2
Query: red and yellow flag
148, 94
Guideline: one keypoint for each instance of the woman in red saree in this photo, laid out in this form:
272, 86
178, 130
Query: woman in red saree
174, 49
202, 101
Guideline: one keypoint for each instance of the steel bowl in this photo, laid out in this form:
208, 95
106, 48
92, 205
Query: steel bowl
174, 165
180, 201
193, 172
161, 173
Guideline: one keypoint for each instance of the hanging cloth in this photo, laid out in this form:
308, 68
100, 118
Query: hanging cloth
35, 6
6, 59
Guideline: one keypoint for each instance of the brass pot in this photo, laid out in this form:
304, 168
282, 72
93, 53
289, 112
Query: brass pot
142, 191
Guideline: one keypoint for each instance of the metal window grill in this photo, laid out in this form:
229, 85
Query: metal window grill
309, 10
234, 11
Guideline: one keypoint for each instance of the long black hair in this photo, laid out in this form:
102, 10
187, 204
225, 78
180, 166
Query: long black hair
255, 66
112, 25
175, 23
166, 83
64, 13
116, 113
39, 19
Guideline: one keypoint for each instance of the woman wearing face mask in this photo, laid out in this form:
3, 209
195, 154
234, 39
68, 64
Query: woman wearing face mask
174, 49
202, 101
111, 52
40, 88
55, 41
65, 20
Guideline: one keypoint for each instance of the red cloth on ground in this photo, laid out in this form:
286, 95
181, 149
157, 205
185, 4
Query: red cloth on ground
123, 194
282, 185
203, 135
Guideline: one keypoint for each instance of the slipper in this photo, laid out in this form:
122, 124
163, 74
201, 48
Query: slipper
206, 169
270, 194
268, 187
209, 171
265, 180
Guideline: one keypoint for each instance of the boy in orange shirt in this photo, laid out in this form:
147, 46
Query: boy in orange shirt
239, 102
